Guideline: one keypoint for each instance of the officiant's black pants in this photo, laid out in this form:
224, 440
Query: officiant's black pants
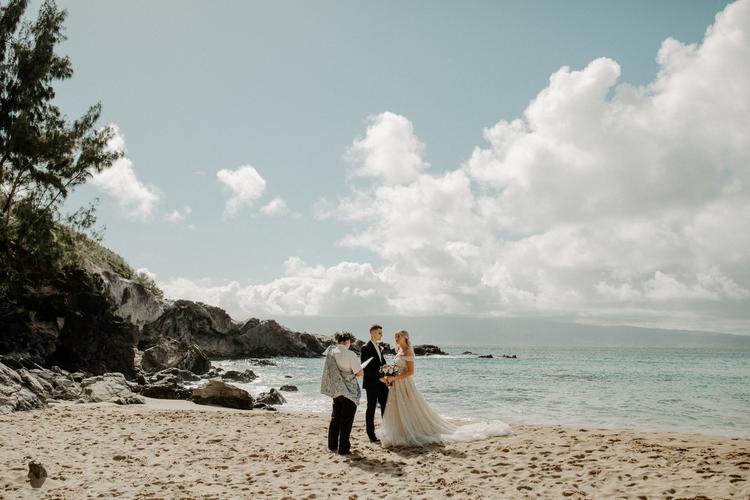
342, 419
376, 395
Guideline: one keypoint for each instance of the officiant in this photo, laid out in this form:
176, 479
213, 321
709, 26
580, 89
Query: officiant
340, 372
377, 391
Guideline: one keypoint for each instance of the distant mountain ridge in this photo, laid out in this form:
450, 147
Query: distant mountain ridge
516, 332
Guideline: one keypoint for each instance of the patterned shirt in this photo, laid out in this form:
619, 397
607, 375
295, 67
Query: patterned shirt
337, 381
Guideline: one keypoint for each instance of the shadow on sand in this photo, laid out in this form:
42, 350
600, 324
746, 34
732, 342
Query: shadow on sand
386, 465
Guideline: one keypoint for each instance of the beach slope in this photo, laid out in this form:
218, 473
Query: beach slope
176, 449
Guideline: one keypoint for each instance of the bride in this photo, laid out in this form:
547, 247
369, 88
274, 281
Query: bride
408, 419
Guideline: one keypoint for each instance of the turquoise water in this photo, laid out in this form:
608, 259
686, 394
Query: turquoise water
688, 390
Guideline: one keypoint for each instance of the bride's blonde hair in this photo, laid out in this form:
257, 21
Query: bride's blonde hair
404, 334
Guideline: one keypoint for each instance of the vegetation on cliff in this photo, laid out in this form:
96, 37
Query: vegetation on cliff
44, 156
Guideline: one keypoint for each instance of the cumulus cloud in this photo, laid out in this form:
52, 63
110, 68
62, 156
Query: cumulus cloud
303, 290
120, 182
390, 151
245, 186
277, 206
177, 215
604, 202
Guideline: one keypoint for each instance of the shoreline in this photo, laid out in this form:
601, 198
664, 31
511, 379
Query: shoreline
178, 448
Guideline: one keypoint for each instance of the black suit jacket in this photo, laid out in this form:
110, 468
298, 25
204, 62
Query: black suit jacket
371, 377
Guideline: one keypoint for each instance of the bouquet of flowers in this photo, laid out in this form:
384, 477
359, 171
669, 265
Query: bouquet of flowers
388, 370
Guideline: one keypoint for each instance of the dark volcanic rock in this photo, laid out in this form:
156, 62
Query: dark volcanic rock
213, 373
386, 348
487, 356
262, 362
214, 332
169, 387
67, 321
176, 373
272, 397
427, 349
222, 394
171, 353
288, 388
244, 376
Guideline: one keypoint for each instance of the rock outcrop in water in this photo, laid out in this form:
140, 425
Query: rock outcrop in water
427, 350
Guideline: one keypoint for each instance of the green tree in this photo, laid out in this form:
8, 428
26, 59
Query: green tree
43, 155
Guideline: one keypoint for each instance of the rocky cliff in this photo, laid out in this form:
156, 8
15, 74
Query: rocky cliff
96, 321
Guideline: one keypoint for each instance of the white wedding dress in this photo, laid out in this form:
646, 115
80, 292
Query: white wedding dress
409, 421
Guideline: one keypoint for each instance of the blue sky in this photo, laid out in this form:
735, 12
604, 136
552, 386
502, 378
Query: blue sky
289, 87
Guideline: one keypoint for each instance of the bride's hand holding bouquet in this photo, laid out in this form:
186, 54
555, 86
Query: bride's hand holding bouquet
388, 372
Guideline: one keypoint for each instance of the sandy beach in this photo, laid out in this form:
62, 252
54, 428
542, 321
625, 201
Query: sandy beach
176, 449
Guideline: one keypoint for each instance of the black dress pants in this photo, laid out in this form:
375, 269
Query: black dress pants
342, 419
375, 395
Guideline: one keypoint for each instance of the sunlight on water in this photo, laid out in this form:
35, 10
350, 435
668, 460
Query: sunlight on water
693, 390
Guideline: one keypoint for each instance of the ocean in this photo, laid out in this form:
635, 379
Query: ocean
698, 390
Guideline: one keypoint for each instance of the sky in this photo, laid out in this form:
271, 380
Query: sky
583, 161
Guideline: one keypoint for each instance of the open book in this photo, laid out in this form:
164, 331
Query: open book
366, 363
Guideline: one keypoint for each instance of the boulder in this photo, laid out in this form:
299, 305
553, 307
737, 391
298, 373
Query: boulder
169, 384
169, 353
109, 388
213, 373
220, 393
288, 388
486, 356
176, 373
14, 394
243, 376
167, 388
427, 350
469, 353
272, 397
59, 383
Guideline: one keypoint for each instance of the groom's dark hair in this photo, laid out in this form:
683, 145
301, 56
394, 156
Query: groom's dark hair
375, 327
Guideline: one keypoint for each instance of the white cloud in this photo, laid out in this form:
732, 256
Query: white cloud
389, 151
277, 206
178, 215
605, 202
245, 185
304, 289
120, 181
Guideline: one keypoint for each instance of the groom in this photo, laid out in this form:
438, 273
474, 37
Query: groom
377, 391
